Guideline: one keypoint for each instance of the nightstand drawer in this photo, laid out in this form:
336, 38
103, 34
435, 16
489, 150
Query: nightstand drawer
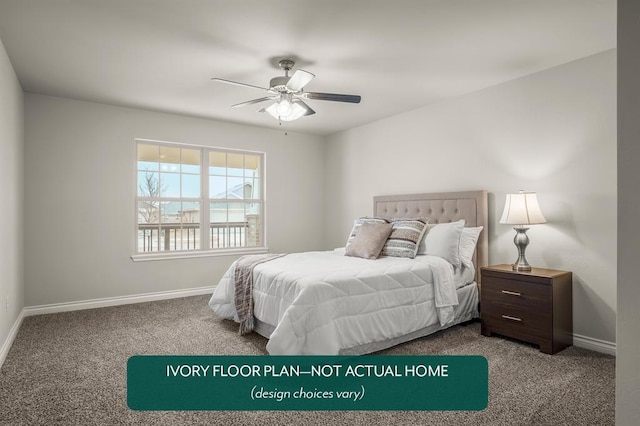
515, 319
526, 295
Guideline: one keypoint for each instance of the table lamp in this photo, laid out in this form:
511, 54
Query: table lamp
522, 209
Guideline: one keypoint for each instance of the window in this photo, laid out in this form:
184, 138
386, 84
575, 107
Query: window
196, 199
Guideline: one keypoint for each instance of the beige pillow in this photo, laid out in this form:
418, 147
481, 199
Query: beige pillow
369, 240
360, 221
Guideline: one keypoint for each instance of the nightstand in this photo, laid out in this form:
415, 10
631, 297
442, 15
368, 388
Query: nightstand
535, 306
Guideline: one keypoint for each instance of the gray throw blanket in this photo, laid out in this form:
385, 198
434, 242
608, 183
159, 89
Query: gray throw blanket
243, 288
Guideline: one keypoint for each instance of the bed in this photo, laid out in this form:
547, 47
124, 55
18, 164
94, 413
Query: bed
326, 303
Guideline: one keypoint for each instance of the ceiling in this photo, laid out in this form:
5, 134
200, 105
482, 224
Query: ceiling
398, 55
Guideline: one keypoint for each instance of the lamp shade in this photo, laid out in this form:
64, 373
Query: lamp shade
522, 209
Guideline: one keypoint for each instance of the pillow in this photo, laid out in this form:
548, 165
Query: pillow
443, 240
358, 222
468, 241
369, 240
422, 247
405, 236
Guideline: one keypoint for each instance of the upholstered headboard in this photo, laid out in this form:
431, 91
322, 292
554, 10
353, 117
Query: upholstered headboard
442, 207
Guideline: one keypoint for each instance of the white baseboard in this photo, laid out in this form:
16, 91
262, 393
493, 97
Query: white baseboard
4, 350
578, 339
594, 344
114, 301
94, 303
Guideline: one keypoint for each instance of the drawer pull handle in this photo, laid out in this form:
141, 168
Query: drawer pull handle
511, 318
513, 293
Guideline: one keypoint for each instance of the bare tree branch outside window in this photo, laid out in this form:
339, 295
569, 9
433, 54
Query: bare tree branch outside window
149, 210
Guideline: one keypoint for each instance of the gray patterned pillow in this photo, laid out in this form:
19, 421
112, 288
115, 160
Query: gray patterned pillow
369, 240
405, 237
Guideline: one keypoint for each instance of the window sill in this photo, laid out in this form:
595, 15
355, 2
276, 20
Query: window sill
194, 254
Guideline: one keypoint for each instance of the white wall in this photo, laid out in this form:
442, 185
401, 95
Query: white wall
80, 191
11, 181
628, 348
552, 132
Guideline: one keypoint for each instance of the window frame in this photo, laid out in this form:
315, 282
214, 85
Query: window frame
205, 201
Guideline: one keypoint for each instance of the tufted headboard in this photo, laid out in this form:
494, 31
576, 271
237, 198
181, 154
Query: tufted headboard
441, 207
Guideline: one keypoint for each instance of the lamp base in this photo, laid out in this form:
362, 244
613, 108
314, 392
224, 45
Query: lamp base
521, 240
521, 268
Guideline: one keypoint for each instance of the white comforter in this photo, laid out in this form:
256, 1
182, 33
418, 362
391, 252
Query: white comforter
322, 302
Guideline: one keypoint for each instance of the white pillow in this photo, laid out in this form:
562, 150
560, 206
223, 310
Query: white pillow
468, 241
443, 240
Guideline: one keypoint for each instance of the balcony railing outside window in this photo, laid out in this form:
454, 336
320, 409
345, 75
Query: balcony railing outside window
153, 237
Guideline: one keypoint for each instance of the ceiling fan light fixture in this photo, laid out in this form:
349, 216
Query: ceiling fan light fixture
284, 107
273, 110
297, 111
286, 110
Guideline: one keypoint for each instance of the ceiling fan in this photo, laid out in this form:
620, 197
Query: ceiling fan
288, 94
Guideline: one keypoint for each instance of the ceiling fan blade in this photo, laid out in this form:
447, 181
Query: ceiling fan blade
354, 99
254, 101
298, 80
235, 83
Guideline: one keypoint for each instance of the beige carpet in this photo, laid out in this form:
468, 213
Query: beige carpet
70, 369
